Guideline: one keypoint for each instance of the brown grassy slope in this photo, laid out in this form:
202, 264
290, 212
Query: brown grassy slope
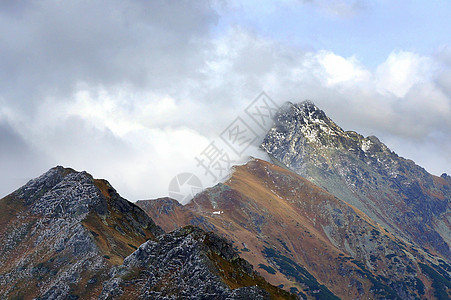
267, 207
115, 235
168, 213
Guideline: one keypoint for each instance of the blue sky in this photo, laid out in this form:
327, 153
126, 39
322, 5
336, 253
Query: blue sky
133, 91
368, 30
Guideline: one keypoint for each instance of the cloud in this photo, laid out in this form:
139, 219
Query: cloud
339, 70
402, 70
443, 77
50, 47
20, 161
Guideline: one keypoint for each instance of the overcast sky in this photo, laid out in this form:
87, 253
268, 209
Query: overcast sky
134, 91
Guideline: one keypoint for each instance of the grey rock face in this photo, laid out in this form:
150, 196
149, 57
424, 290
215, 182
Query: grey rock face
179, 265
46, 249
362, 171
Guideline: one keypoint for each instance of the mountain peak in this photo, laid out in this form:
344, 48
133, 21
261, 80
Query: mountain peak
362, 171
65, 224
306, 110
302, 124
63, 170
307, 105
61, 191
306, 124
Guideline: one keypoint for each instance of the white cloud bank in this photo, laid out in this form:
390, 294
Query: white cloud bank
403, 70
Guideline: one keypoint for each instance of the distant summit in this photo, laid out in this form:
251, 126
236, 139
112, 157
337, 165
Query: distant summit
364, 172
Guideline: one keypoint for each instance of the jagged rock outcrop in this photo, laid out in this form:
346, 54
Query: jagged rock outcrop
64, 236
362, 171
188, 263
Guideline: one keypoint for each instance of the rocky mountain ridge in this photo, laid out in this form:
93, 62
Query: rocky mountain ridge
188, 263
66, 235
